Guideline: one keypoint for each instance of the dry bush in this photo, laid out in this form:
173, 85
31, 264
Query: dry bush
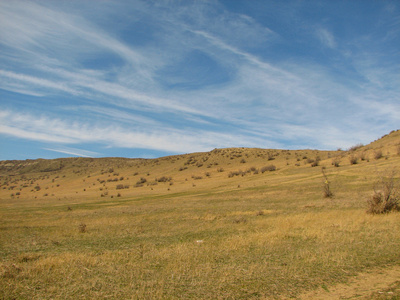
268, 168
141, 181
353, 160
236, 173
164, 179
378, 154
362, 156
315, 163
355, 147
326, 187
386, 197
336, 162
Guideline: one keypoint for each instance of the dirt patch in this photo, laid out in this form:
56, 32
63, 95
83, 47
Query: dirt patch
374, 284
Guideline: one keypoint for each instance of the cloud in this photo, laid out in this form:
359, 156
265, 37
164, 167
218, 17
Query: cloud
326, 38
189, 76
164, 139
74, 151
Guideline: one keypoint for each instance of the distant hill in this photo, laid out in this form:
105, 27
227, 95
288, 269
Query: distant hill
103, 177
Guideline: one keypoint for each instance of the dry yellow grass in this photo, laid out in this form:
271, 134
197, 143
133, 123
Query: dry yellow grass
253, 236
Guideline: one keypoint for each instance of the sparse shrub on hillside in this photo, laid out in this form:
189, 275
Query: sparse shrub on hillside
336, 162
353, 160
386, 197
141, 181
269, 168
252, 169
326, 186
315, 163
355, 147
236, 173
362, 156
398, 149
220, 170
243, 161
378, 154
164, 179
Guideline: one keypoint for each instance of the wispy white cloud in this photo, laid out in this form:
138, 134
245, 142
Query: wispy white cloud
41, 128
326, 37
263, 98
73, 151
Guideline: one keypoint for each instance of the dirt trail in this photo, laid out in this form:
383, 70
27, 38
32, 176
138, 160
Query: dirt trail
363, 286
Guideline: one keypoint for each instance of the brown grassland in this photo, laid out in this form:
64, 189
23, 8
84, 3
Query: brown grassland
233, 223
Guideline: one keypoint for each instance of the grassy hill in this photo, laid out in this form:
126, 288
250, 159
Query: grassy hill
230, 223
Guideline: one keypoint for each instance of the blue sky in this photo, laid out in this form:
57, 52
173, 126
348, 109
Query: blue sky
154, 78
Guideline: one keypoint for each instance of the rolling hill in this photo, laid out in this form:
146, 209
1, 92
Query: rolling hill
235, 223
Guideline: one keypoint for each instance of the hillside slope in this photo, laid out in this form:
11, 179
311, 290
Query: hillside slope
226, 224
221, 168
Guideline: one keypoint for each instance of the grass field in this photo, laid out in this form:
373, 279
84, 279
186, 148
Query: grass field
69, 230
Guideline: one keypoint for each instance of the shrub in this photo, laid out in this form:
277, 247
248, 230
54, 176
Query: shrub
268, 168
315, 163
326, 187
236, 173
355, 147
164, 179
141, 181
378, 154
386, 197
362, 156
353, 160
336, 162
